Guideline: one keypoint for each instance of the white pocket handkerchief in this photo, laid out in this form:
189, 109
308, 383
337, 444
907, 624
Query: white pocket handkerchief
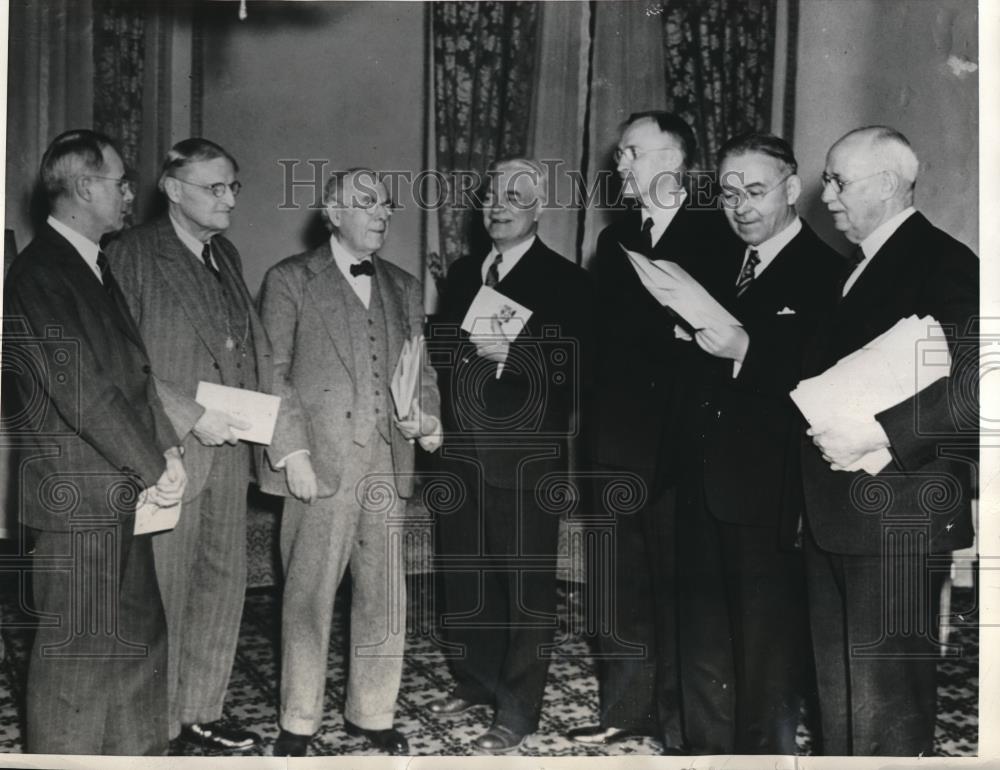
786, 311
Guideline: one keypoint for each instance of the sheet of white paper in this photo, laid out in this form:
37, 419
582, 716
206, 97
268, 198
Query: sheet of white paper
490, 304
149, 517
259, 409
673, 287
884, 372
403, 385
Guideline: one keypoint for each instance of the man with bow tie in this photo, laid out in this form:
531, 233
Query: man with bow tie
633, 430
183, 281
743, 628
338, 317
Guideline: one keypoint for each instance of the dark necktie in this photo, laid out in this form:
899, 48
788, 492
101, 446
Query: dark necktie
106, 277
748, 273
854, 259
646, 237
493, 274
364, 267
206, 257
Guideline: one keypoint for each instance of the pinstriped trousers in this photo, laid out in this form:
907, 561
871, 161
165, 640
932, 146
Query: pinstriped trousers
318, 542
201, 566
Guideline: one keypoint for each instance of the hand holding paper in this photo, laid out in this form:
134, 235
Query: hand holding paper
233, 414
491, 314
847, 441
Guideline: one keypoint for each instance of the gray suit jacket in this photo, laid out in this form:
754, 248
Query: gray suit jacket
162, 288
313, 363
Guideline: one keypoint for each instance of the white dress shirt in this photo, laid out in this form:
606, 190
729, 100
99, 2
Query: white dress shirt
510, 258
662, 217
875, 241
360, 284
85, 247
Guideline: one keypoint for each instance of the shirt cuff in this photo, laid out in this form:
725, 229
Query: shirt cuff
281, 463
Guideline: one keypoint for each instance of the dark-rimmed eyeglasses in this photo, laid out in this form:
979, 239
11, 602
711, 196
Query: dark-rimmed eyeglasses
839, 184
218, 189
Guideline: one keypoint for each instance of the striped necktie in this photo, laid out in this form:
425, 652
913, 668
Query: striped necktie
748, 273
493, 274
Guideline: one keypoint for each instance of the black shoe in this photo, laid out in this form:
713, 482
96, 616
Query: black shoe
390, 741
595, 735
218, 736
291, 744
499, 740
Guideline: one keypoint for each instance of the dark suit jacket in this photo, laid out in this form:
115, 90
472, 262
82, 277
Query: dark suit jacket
82, 379
747, 427
532, 405
637, 399
165, 295
920, 270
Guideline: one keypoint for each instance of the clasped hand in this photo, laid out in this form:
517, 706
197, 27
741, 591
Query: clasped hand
170, 486
425, 428
844, 443
493, 346
215, 428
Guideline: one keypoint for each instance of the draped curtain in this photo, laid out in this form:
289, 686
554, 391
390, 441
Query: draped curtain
119, 66
484, 71
719, 61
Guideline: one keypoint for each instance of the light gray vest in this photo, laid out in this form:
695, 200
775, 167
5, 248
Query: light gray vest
372, 368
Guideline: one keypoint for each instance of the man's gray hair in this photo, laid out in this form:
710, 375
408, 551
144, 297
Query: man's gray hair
894, 148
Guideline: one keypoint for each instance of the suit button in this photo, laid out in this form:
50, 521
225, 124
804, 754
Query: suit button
377, 393
239, 364
242, 385
374, 357
215, 364
375, 374
378, 411
372, 339
347, 415
652, 383
146, 369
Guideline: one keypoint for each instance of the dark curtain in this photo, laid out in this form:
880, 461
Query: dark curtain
119, 62
720, 67
484, 68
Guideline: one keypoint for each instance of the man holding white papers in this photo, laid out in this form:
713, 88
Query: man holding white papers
94, 435
184, 284
518, 318
634, 426
346, 327
744, 628
870, 541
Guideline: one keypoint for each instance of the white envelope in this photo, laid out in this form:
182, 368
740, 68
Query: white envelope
489, 304
149, 517
259, 409
403, 385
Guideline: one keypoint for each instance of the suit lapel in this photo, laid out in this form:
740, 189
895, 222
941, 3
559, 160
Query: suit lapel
175, 262
326, 289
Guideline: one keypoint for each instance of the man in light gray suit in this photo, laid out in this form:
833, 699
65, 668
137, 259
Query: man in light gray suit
184, 285
338, 317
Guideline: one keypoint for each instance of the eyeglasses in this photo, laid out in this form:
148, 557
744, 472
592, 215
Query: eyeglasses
734, 197
124, 183
513, 199
218, 189
633, 153
839, 184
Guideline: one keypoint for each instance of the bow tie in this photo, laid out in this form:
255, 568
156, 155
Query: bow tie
365, 267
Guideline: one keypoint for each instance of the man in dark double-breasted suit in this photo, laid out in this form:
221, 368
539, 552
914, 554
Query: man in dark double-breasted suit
876, 545
510, 410
743, 626
95, 435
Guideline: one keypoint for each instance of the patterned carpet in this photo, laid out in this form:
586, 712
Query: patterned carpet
570, 697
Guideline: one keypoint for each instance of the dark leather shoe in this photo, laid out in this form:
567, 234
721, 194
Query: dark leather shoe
595, 735
499, 740
450, 704
390, 741
291, 744
218, 736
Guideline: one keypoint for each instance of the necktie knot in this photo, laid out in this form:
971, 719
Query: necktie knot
748, 273
857, 257
647, 233
364, 267
206, 257
493, 274
105, 267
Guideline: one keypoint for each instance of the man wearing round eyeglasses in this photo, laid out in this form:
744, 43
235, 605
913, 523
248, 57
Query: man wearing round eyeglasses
634, 429
339, 317
743, 625
184, 283
871, 540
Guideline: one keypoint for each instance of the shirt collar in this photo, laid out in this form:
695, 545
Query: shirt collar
85, 247
876, 240
772, 247
193, 244
662, 217
345, 259
511, 257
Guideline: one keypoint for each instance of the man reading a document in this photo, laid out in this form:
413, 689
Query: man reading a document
340, 317
184, 284
743, 629
869, 539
